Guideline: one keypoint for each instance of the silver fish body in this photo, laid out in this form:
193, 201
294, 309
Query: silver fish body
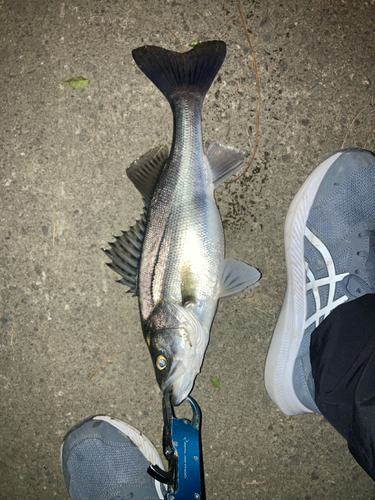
183, 249
181, 271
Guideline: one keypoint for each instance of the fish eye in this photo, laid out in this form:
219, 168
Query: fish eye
161, 362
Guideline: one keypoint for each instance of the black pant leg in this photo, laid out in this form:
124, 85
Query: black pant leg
342, 353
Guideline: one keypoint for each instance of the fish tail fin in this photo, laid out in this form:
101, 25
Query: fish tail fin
175, 73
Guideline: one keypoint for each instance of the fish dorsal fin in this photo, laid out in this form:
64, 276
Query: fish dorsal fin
224, 161
125, 253
236, 276
145, 171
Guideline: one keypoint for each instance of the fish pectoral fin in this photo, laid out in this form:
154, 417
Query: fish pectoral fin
236, 276
224, 161
125, 253
145, 171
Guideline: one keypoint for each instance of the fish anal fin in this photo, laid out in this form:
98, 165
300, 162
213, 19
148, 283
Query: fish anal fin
236, 276
145, 171
125, 254
224, 161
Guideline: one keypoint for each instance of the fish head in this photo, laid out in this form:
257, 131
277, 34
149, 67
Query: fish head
177, 342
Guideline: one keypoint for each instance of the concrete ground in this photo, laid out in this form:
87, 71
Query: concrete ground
64, 193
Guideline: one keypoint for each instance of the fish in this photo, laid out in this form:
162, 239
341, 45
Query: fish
172, 259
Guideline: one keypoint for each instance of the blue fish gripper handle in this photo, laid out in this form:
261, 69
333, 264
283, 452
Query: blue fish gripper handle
182, 449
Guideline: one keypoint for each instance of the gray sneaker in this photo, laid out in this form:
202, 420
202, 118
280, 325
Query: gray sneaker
330, 259
107, 459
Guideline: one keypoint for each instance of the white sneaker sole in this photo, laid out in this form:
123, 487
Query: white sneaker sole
290, 326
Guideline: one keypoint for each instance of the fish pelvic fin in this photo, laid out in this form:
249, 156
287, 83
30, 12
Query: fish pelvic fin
236, 276
224, 161
125, 253
145, 171
175, 72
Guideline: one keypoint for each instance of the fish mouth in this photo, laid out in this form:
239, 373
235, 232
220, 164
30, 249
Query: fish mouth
176, 379
179, 396
177, 369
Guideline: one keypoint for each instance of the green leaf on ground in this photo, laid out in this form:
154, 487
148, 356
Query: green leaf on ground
194, 43
78, 82
215, 382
